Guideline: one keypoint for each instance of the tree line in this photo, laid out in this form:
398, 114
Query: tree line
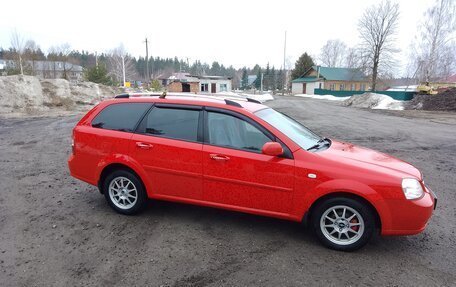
432, 54
107, 67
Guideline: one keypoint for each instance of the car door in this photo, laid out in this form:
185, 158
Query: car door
168, 146
236, 173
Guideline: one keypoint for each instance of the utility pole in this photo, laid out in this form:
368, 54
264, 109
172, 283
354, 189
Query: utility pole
261, 84
147, 62
123, 69
284, 68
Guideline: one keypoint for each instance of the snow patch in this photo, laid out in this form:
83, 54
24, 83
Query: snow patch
410, 88
322, 97
374, 101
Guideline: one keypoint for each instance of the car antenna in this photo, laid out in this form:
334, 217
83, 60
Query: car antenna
163, 95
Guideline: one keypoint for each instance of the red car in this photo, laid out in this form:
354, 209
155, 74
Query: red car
241, 155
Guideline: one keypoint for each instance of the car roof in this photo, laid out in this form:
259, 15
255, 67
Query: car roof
221, 101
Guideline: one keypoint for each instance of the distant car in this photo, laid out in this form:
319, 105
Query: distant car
243, 156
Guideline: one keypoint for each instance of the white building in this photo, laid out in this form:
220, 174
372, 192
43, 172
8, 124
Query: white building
214, 84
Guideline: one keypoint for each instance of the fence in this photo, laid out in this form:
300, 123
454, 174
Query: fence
397, 95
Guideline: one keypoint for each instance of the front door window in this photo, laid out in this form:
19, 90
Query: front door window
229, 131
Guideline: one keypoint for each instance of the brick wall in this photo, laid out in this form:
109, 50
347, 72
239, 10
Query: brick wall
176, 87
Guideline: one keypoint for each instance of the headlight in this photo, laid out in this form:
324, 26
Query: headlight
412, 188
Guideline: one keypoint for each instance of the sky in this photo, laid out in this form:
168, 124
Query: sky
232, 32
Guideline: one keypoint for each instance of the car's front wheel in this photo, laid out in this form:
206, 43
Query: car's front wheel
343, 223
124, 192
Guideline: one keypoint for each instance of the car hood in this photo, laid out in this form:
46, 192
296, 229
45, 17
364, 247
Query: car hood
351, 154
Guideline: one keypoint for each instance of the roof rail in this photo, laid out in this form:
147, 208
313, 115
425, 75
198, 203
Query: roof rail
233, 103
253, 101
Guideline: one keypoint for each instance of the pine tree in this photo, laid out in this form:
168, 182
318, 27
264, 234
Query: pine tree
98, 74
280, 80
215, 69
267, 78
258, 79
245, 79
155, 85
303, 64
273, 78
255, 69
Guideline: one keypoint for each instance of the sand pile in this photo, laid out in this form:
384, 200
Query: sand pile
443, 101
29, 95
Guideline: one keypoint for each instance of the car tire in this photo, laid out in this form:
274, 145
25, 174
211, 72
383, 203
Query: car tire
342, 223
124, 192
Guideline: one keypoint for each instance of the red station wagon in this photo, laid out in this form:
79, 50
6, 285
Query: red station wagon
241, 155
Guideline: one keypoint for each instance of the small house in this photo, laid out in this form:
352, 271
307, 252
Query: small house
329, 79
186, 83
214, 84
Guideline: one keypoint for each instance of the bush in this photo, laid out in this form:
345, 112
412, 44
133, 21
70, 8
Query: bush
98, 74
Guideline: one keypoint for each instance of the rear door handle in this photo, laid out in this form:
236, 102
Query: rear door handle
144, 145
219, 157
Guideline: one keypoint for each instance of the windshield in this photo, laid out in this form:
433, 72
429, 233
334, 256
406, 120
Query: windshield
301, 135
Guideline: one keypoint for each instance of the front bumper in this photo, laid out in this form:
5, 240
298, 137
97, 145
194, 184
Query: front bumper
408, 217
433, 195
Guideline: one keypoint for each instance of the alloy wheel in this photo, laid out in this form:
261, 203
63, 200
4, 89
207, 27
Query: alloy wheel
123, 192
342, 225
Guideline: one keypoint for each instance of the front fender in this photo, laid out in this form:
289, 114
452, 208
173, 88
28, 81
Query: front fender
350, 187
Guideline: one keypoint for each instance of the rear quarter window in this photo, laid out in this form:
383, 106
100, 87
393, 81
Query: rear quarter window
120, 117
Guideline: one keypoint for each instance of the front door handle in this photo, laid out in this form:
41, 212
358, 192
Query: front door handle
219, 157
144, 145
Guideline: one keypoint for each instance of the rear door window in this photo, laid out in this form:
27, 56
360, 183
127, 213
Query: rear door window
121, 117
173, 123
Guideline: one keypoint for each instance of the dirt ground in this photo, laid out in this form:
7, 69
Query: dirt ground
58, 231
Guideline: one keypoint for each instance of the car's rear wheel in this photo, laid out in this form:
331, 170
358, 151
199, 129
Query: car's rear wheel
124, 192
343, 223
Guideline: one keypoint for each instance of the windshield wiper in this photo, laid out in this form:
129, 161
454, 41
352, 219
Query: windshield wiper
324, 141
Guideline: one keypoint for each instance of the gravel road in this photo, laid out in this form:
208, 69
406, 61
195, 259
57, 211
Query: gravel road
57, 231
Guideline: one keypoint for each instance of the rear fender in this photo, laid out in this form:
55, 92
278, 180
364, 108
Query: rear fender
128, 162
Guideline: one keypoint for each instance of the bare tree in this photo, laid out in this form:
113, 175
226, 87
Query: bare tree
59, 56
118, 60
447, 60
32, 54
377, 28
356, 58
333, 53
435, 48
18, 45
351, 58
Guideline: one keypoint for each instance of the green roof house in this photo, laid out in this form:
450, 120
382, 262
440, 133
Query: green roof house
332, 79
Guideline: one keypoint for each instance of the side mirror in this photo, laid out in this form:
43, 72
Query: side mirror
272, 148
